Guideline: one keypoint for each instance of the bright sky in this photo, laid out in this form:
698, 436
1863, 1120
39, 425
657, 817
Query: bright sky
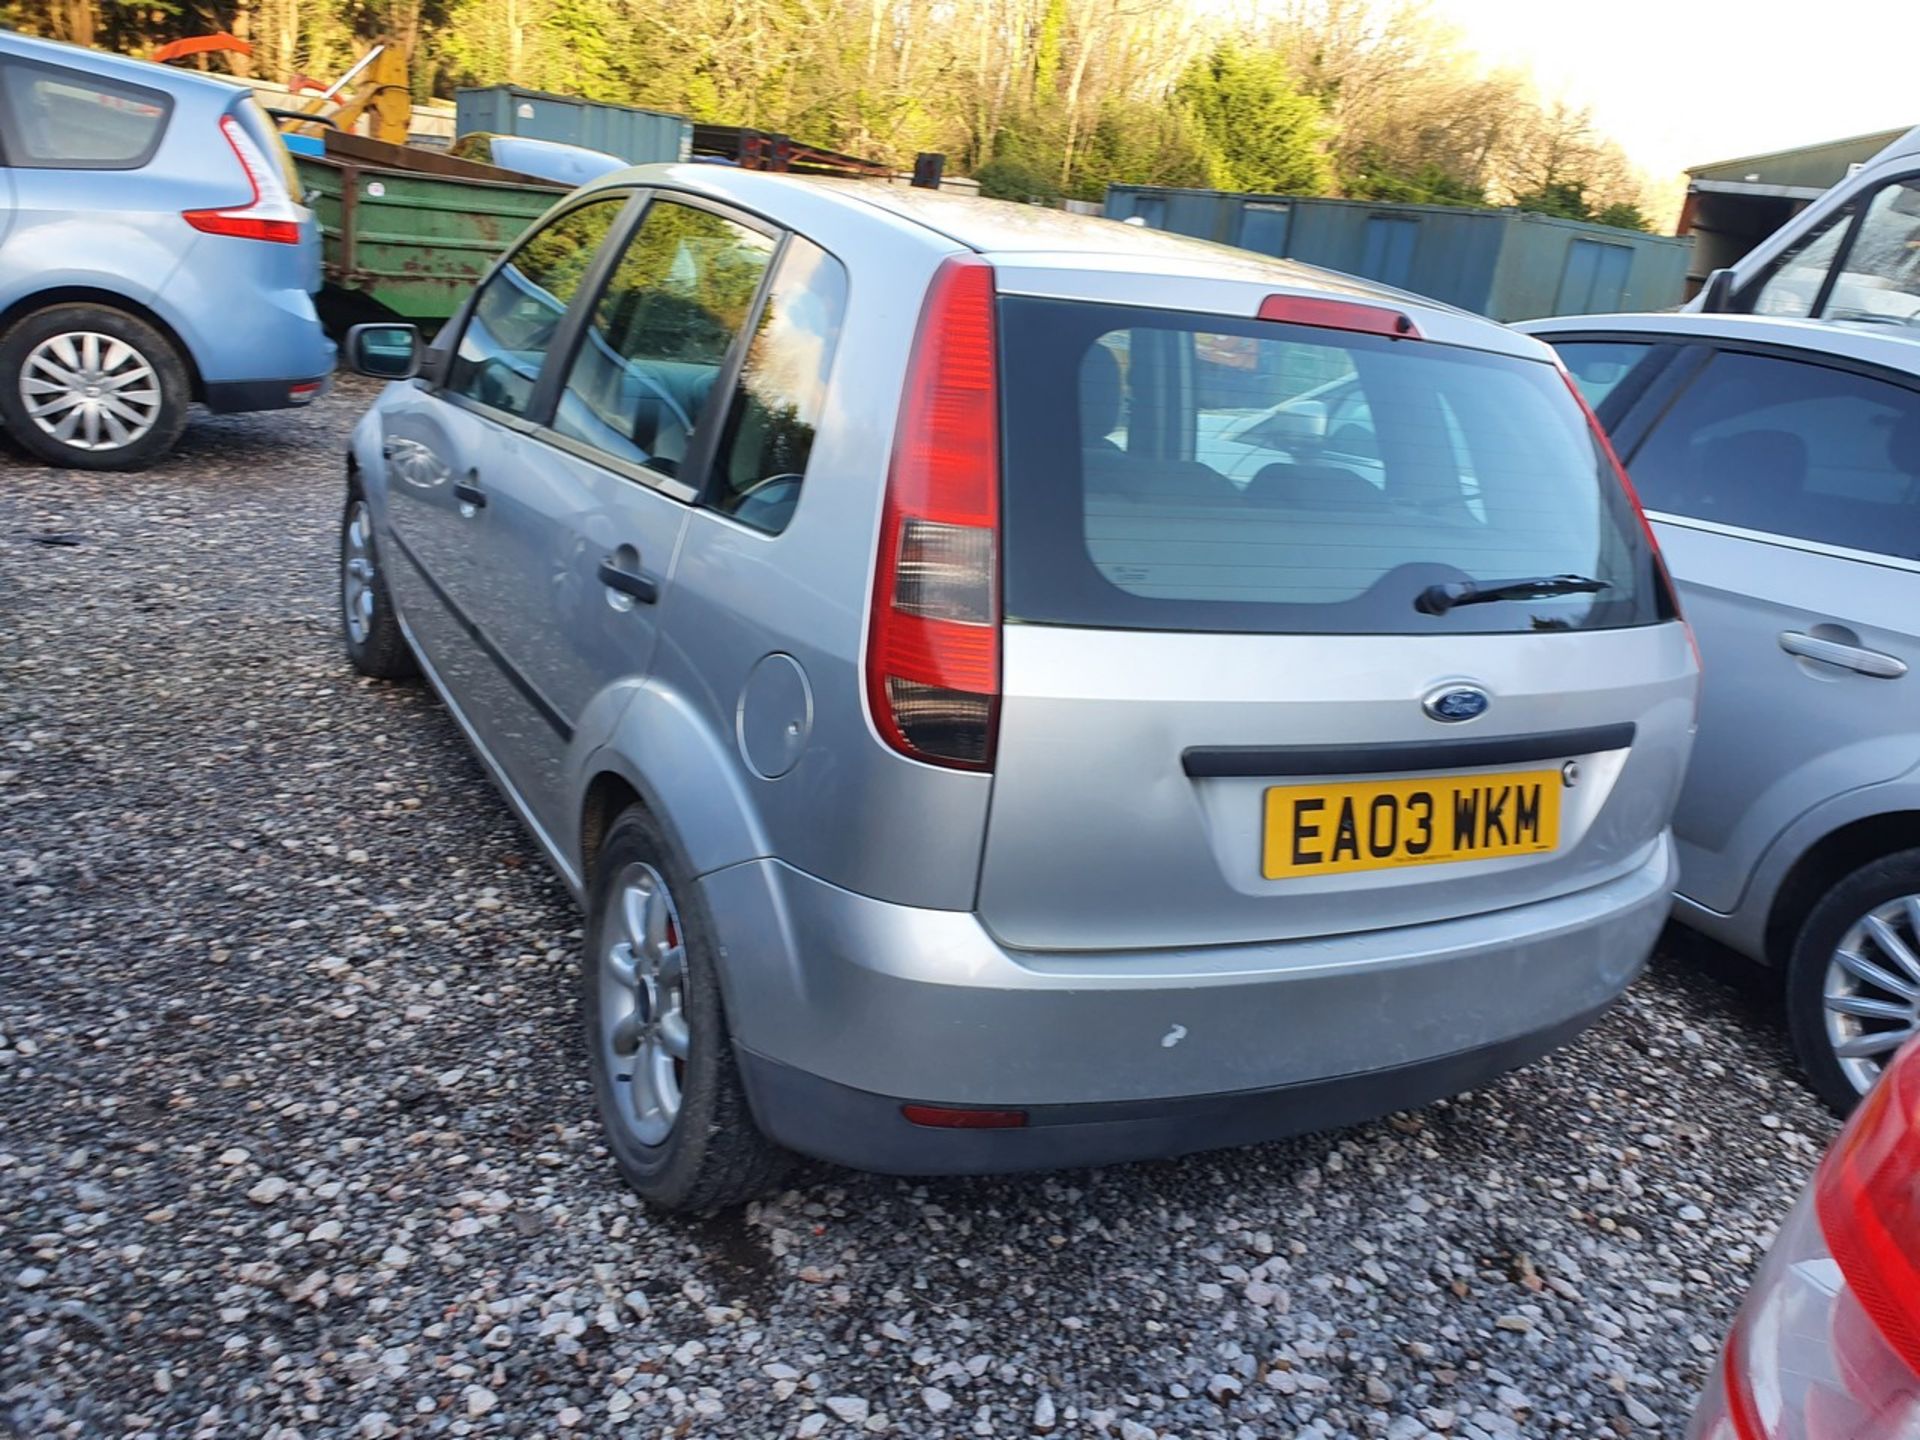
1682, 82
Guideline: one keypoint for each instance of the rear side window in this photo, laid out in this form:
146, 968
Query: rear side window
1793, 449
60, 119
644, 375
783, 388
1598, 366
1185, 472
519, 309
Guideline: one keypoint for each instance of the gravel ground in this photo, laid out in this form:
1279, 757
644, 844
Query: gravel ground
295, 1137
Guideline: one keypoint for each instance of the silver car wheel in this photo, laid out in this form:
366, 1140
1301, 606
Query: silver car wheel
644, 1035
1872, 990
90, 391
357, 572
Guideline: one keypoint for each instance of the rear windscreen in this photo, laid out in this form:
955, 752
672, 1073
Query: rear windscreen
1170, 471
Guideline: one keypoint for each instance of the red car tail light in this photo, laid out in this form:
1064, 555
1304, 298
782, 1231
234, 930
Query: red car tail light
1827, 1346
269, 215
933, 645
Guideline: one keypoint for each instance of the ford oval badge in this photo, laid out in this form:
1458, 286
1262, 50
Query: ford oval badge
1456, 703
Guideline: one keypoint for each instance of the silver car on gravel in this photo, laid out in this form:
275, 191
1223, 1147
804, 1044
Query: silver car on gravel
1780, 460
961, 773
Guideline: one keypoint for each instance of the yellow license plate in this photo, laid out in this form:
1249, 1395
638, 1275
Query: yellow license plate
1384, 824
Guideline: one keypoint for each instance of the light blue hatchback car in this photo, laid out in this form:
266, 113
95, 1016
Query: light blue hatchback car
153, 252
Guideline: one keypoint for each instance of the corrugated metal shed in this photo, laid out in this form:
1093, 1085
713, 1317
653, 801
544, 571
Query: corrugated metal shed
1801, 173
639, 136
1502, 263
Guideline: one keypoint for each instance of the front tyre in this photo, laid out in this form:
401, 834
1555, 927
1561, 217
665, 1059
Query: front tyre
89, 387
1853, 983
375, 644
669, 1094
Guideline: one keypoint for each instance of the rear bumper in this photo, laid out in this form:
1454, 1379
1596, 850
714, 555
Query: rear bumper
868, 1132
843, 1007
226, 396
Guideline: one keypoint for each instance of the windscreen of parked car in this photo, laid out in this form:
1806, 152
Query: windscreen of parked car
1173, 471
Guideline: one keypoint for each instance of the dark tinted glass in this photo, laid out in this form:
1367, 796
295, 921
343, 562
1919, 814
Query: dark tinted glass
644, 374
68, 120
1791, 448
1189, 472
783, 386
520, 308
1598, 366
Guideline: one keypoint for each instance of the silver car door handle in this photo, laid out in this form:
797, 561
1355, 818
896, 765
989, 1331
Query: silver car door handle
1850, 657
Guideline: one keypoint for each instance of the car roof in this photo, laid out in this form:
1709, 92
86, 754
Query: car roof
116, 67
1036, 238
1895, 346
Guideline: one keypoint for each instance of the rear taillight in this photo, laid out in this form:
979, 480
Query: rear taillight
933, 647
1827, 1346
269, 215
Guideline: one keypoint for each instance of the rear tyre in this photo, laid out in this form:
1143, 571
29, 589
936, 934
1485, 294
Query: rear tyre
375, 644
1853, 982
89, 387
670, 1096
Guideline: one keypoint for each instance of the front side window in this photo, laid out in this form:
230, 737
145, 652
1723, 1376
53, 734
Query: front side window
782, 390
1790, 448
1246, 475
642, 380
519, 309
1880, 277
59, 119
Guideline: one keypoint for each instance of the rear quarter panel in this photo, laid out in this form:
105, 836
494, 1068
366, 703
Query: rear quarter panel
849, 811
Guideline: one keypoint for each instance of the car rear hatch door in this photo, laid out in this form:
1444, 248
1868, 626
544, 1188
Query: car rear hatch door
1256, 701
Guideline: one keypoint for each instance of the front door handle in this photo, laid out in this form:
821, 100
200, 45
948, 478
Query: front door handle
1850, 657
639, 587
468, 493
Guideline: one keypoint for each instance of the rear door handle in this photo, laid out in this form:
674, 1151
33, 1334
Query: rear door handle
468, 493
1849, 657
628, 583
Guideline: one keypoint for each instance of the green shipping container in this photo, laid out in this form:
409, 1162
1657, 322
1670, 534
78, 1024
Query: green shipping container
640, 137
1501, 263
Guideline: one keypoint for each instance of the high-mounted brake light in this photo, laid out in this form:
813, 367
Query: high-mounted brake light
268, 215
1338, 315
933, 645
1827, 1346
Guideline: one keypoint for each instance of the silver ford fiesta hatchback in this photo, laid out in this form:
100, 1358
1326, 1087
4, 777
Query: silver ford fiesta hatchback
1013, 690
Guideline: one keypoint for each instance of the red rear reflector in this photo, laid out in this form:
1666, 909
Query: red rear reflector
1338, 315
1868, 1199
933, 646
944, 1117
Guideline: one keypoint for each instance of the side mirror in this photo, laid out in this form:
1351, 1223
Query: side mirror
1304, 422
386, 352
1716, 296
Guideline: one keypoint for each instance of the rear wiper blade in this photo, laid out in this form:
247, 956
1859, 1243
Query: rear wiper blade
1439, 599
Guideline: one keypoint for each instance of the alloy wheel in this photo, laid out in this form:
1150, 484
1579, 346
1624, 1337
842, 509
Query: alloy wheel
1872, 990
357, 572
644, 1035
